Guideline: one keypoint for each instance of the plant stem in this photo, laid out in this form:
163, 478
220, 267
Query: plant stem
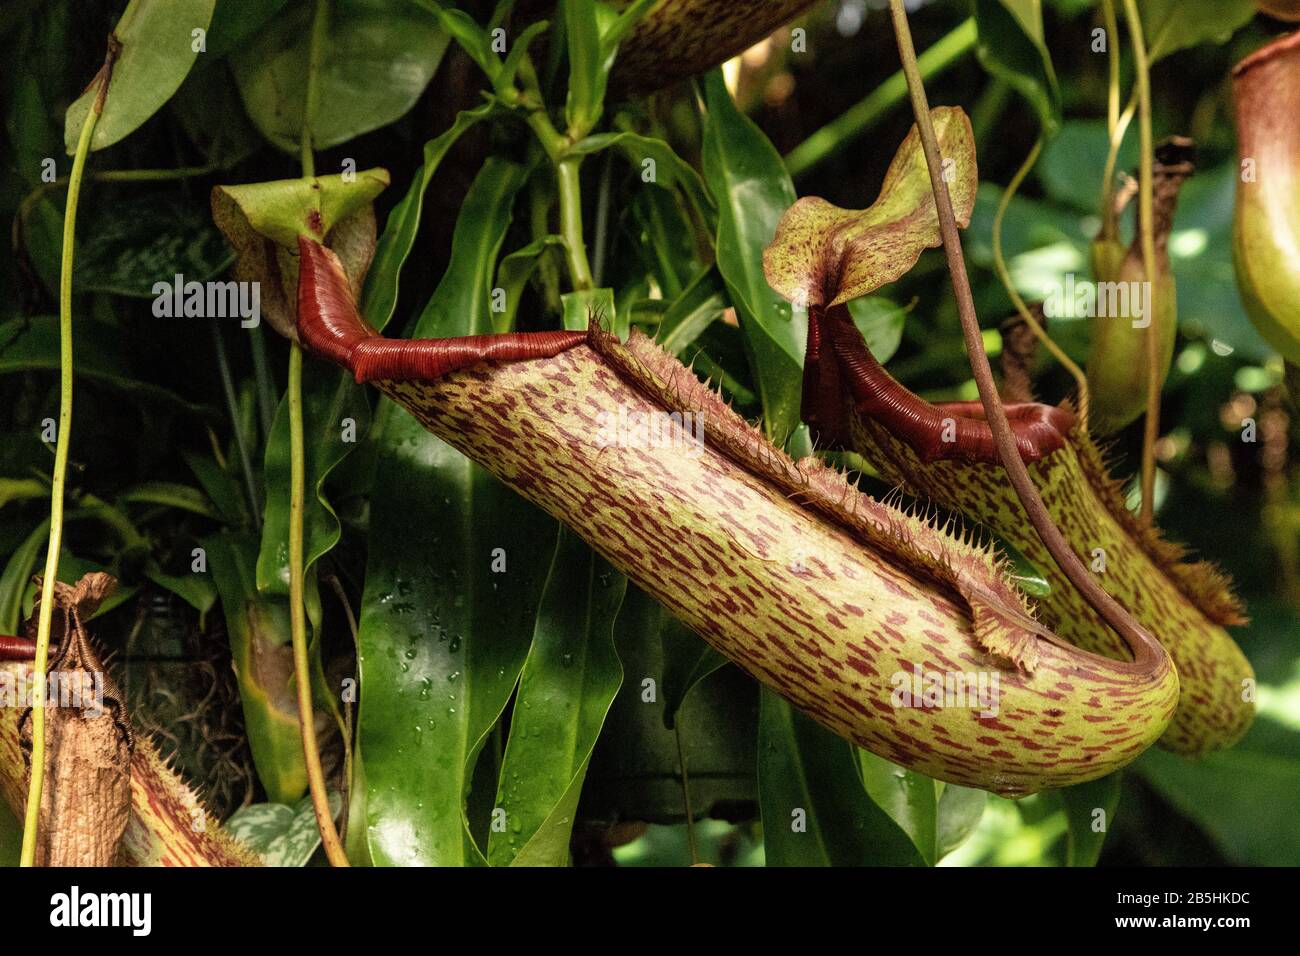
570, 187
1116, 124
320, 25
686, 793
1112, 59
63, 440
1147, 652
297, 502
861, 116
1000, 263
1146, 226
567, 166
1109, 214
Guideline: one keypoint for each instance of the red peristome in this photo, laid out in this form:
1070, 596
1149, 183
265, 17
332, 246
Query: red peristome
330, 324
17, 648
838, 359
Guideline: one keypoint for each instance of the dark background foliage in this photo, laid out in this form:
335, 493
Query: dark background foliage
151, 401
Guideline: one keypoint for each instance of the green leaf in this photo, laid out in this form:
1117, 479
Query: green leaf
664, 243
442, 635
1172, 25
211, 113
196, 590
220, 488
565, 691
512, 276
336, 416
104, 354
700, 305
398, 237
158, 49
881, 324
667, 168
960, 811
825, 255
257, 627
19, 489
688, 659
1246, 801
380, 55
1073, 162
908, 797
17, 575
815, 810
471, 38
169, 494
587, 304
1012, 47
236, 23
752, 190
285, 836
588, 73
1082, 805
147, 240
592, 38
505, 78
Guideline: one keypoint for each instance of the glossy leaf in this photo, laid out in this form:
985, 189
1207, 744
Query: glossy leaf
380, 56
588, 305
687, 661
815, 811
959, 813
196, 590
1172, 25
654, 158
592, 47
17, 574
158, 49
512, 277
700, 305
752, 190
1012, 46
908, 797
220, 488
565, 691
169, 494
398, 237
285, 836
471, 38
149, 239
257, 627
1089, 812
825, 255
1246, 801
442, 637
336, 415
